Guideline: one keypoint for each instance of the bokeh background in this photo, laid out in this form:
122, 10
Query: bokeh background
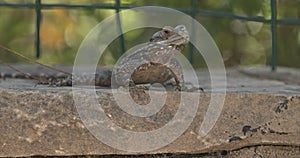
241, 42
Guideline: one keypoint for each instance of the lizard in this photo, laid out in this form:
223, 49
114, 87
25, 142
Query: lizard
150, 64
154, 62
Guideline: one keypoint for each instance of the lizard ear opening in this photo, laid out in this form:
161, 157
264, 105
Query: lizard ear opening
166, 33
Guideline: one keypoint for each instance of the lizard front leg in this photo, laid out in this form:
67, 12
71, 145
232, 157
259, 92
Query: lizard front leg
176, 71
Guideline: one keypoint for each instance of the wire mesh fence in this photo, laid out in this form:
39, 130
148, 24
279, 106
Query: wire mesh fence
193, 10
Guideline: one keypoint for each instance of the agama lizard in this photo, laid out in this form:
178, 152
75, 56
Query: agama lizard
153, 63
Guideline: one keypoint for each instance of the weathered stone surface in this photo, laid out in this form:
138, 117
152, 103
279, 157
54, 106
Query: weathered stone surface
35, 123
259, 116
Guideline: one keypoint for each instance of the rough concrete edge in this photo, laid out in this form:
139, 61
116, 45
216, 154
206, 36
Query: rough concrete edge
284, 74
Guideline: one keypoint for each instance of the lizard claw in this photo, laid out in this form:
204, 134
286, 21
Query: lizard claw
179, 87
139, 87
192, 89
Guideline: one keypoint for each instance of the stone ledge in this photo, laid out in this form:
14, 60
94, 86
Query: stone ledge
261, 113
46, 123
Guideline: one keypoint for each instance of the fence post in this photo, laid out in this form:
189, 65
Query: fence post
193, 14
274, 34
117, 5
38, 24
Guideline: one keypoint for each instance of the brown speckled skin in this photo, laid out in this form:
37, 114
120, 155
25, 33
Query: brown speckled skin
155, 62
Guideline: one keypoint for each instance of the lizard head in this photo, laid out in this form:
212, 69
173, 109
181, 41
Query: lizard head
178, 36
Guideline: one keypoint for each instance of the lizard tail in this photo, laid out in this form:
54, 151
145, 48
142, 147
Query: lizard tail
27, 75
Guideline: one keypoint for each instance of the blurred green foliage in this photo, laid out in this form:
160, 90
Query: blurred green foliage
241, 42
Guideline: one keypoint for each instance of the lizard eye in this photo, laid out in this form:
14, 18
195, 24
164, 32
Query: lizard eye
166, 31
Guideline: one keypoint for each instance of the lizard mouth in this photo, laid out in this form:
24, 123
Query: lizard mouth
176, 40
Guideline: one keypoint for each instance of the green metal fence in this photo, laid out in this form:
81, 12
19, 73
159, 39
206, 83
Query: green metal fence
193, 10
